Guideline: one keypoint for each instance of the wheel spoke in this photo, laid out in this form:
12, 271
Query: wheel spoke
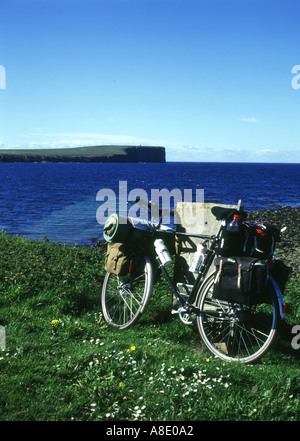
123, 298
235, 332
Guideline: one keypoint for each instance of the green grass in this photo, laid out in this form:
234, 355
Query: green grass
63, 362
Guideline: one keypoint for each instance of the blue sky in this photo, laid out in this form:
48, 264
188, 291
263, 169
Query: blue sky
211, 80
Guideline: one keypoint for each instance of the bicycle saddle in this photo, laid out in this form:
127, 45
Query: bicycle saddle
222, 213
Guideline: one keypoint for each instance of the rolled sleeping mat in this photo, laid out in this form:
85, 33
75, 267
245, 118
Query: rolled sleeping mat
116, 228
120, 228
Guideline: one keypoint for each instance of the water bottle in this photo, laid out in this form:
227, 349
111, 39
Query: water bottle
234, 226
162, 252
197, 259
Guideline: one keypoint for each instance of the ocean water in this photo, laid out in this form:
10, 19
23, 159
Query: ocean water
59, 200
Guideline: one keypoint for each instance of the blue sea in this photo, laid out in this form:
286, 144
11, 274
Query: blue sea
59, 200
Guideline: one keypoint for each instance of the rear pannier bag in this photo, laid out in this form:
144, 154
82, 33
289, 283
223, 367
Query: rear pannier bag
261, 238
232, 243
254, 239
241, 280
118, 258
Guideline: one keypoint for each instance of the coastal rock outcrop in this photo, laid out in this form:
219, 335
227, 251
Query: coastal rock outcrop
87, 154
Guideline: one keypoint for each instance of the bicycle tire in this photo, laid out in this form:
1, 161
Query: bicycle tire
124, 299
236, 333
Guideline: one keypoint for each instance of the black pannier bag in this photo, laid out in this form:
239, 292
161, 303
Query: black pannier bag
242, 280
117, 260
261, 238
232, 243
254, 239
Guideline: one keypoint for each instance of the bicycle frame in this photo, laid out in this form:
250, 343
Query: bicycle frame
209, 257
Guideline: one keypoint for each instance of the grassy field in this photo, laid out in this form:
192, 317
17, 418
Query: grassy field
63, 362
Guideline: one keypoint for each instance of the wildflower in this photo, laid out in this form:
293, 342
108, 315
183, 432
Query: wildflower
207, 360
120, 384
132, 348
54, 321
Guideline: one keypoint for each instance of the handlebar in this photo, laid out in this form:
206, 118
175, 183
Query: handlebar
221, 213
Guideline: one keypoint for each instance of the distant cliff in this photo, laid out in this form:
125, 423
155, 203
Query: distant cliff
87, 154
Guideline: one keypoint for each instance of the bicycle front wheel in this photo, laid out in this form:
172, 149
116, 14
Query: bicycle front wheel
235, 332
125, 298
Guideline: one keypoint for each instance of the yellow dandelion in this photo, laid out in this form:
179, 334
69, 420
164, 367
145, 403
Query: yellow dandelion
132, 348
54, 321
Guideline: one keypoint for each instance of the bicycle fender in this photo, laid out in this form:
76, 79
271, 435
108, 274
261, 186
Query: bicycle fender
279, 296
150, 281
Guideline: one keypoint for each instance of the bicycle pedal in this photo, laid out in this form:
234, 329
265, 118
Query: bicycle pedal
174, 311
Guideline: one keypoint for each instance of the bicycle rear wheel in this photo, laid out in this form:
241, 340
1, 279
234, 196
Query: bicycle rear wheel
235, 332
125, 298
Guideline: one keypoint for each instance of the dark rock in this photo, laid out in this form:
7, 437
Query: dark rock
288, 250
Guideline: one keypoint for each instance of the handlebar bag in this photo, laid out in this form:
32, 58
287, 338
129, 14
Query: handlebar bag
241, 280
117, 260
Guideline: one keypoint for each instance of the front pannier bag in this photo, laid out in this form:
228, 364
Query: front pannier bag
241, 280
117, 259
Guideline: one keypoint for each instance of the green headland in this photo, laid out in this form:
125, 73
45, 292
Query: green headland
102, 153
